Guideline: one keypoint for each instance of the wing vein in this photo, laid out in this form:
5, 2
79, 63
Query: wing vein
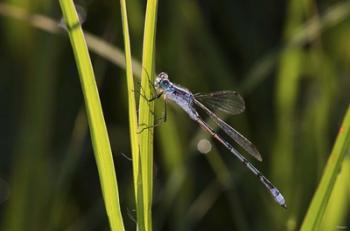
231, 132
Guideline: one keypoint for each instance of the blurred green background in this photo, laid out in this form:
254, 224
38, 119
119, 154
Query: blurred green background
289, 59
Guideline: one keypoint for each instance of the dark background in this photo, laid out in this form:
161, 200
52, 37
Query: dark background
290, 60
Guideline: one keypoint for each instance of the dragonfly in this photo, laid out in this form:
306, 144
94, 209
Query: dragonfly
225, 101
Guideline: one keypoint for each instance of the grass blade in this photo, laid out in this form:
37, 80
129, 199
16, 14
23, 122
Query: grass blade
336, 211
96, 44
145, 117
320, 200
132, 113
99, 136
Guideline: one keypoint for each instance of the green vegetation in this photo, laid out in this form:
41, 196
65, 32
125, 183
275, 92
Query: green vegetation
315, 214
289, 60
98, 131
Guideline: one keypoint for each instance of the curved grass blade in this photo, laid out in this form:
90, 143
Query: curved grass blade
99, 136
95, 44
314, 215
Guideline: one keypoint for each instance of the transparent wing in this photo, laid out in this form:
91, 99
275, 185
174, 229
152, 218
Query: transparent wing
226, 101
235, 135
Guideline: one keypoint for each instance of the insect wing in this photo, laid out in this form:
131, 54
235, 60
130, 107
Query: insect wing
226, 101
235, 135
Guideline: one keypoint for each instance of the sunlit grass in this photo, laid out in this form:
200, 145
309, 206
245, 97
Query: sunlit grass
293, 126
146, 118
133, 126
335, 216
320, 201
99, 135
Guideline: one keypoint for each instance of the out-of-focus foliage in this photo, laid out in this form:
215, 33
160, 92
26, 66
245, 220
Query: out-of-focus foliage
289, 59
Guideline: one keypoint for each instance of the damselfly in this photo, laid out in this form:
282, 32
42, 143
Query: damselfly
226, 101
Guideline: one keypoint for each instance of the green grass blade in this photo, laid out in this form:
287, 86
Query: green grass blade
145, 117
99, 135
336, 211
132, 113
95, 43
320, 200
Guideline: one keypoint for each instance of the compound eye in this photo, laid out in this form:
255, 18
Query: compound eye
166, 83
163, 75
